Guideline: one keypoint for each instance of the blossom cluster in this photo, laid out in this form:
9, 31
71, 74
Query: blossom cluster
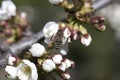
73, 27
13, 25
24, 69
42, 60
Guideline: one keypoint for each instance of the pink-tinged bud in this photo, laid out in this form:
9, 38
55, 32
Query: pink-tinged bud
65, 76
72, 63
57, 58
8, 32
3, 24
97, 20
12, 60
48, 65
62, 67
86, 40
74, 35
67, 62
100, 27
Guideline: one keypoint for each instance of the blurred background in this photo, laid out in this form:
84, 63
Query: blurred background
99, 61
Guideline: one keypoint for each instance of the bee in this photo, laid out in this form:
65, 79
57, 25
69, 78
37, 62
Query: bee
57, 39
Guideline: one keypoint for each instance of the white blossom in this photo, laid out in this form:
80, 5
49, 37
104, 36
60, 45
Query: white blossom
12, 72
27, 71
65, 76
62, 67
86, 40
48, 65
68, 63
55, 1
57, 58
50, 29
11, 60
37, 50
7, 9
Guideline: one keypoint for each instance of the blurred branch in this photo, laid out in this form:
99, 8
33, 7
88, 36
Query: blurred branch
101, 3
26, 42
19, 47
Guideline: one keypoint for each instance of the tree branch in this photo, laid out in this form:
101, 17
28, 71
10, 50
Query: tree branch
17, 48
25, 43
101, 3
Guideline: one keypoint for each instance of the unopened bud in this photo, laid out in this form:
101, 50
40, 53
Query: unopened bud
86, 39
65, 76
57, 58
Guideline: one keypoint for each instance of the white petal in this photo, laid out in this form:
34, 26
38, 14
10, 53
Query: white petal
27, 71
48, 65
68, 63
11, 60
12, 71
22, 72
86, 40
34, 74
62, 67
66, 75
57, 58
9, 6
66, 32
37, 50
3, 15
50, 28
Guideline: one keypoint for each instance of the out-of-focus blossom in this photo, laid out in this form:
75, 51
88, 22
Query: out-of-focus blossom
86, 40
7, 10
113, 16
55, 1
48, 65
37, 50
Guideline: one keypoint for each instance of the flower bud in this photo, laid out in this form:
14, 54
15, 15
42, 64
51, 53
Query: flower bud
37, 50
48, 65
62, 67
65, 76
67, 62
12, 60
86, 40
57, 58
74, 35
100, 27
